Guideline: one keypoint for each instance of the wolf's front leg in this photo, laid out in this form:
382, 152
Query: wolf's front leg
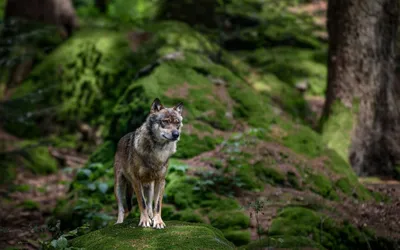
149, 195
158, 195
145, 220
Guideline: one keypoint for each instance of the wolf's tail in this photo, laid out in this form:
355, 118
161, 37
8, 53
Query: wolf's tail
128, 196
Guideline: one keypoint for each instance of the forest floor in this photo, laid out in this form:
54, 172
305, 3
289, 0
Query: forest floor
28, 202
26, 209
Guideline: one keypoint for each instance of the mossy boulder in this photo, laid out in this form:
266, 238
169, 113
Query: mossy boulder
298, 223
293, 65
294, 158
177, 235
35, 158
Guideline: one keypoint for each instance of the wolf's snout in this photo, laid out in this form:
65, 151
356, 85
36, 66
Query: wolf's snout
175, 134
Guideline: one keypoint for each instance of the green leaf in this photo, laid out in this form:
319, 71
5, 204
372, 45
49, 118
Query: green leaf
103, 187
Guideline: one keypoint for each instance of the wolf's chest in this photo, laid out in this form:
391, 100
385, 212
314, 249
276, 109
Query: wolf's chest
148, 174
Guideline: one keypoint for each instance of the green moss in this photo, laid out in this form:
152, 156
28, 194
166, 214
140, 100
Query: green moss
168, 212
220, 205
8, 168
303, 222
229, 219
283, 241
189, 216
104, 154
74, 78
22, 188
250, 106
176, 235
247, 176
322, 185
216, 162
336, 130
30, 205
345, 186
286, 97
268, 174
31, 156
39, 161
238, 237
191, 145
292, 65
304, 140
292, 180
179, 191
2, 7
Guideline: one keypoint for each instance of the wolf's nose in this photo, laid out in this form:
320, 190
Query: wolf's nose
175, 134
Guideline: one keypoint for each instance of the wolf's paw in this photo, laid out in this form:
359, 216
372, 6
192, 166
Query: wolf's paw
145, 221
158, 223
150, 213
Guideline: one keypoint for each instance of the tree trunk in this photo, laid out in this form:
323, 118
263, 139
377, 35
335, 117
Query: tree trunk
56, 12
23, 25
362, 82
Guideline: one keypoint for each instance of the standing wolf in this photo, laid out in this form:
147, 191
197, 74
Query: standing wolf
141, 163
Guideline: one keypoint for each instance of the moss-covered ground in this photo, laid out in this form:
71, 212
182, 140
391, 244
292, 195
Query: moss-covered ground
247, 134
177, 235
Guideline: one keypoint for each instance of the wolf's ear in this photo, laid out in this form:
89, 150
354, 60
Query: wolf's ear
179, 107
156, 106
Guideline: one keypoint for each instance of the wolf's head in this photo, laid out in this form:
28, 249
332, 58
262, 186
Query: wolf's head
165, 123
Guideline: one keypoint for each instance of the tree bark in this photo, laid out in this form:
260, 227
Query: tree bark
23, 21
361, 76
57, 12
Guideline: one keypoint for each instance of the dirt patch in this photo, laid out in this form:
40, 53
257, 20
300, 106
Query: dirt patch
222, 94
137, 38
179, 92
202, 161
190, 130
7, 141
317, 9
382, 217
28, 202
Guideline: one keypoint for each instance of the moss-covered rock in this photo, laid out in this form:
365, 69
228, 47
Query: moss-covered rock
233, 219
293, 65
177, 235
73, 78
33, 157
251, 161
30, 205
285, 242
39, 160
188, 215
299, 223
238, 237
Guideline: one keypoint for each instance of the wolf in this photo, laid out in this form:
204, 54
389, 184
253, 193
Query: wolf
141, 163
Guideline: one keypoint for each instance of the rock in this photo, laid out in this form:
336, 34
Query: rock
177, 235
